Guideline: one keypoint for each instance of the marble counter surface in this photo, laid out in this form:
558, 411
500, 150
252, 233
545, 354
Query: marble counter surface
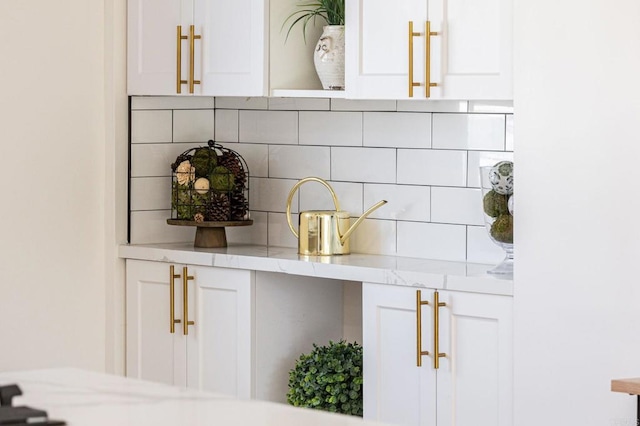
392, 270
90, 399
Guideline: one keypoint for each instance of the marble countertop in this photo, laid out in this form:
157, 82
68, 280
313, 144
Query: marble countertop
392, 270
84, 398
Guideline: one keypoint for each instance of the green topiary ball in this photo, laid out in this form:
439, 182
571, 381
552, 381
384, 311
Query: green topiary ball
495, 204
221, 179
328, 378
204, 160
186, 201
502, 229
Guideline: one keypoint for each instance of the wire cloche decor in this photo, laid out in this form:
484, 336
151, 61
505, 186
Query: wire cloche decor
210, 190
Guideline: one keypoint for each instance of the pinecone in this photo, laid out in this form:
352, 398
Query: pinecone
217, 208
239, 205
179, 159
234, 165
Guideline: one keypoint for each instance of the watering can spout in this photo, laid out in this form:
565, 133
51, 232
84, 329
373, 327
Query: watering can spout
358, 221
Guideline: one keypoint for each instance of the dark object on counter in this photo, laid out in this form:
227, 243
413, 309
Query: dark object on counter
17, 416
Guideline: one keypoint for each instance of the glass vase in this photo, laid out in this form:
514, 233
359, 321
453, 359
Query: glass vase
497, 205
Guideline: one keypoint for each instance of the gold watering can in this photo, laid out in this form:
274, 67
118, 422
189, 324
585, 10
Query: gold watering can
324, 232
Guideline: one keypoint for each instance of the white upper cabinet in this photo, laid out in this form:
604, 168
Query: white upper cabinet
200, 47
468, 53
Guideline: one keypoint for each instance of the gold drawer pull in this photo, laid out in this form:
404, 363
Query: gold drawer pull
179, 80
419, 304
427, 47
192, 43
185, 301
172, 306
436, 330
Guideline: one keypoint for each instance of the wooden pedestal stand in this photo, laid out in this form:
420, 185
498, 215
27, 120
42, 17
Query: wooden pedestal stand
210, 234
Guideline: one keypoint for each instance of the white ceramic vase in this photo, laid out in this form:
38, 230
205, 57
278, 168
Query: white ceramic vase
328, 57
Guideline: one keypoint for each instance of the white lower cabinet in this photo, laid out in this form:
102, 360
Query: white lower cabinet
473, 382
245, 329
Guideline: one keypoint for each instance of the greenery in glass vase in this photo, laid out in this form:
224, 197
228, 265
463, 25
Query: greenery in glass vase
331, 11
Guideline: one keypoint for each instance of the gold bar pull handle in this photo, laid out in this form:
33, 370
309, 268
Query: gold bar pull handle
412, 83
172, 299
427, 54
185, 301
419, 304
436, 330
192, 44
179, 80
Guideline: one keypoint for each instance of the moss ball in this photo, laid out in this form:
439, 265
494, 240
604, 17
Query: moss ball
222, 179
495, 204
204, 160
186, 202
502, 229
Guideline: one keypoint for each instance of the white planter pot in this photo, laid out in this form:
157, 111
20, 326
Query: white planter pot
329, 57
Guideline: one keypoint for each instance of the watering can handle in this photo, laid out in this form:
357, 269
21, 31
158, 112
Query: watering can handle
295, 188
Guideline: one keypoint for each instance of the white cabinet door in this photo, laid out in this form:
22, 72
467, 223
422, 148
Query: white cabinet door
220, 343
229, 58
470, 49
153, 352
472, 55
152, 45
377, 43
396, 390
475, 379
232, 55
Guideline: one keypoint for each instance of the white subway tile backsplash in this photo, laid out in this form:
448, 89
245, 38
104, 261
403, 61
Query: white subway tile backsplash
374, 236
397, 130
375, 165
151, 193
432, 167
255, 155
172, 102
314, 196
252, 234
300, 104
404, 202
456, 205
422, 156
432, 240
155, 159
331, 128
151, 227
432, 106
277, 127
469, 131
296, 162
270, 195
476, 158
151, 126
193, 125
509, 133
362, 105
279, 233
241, 103
226, 125
480, 247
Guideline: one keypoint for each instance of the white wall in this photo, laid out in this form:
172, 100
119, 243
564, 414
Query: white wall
577, 236
53, 191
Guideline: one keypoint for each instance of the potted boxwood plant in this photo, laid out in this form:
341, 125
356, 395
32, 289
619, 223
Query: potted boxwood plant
328, 378
328, 56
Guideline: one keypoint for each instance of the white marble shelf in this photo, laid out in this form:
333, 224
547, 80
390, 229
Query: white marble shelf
392, 270
82, 398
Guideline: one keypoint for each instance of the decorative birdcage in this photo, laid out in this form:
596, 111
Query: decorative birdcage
210, 190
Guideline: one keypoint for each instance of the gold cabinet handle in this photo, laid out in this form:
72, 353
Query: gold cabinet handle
192, 44
185, 301
172, 299
436, 330
179, 80
427, 43
419, 304
427, 54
